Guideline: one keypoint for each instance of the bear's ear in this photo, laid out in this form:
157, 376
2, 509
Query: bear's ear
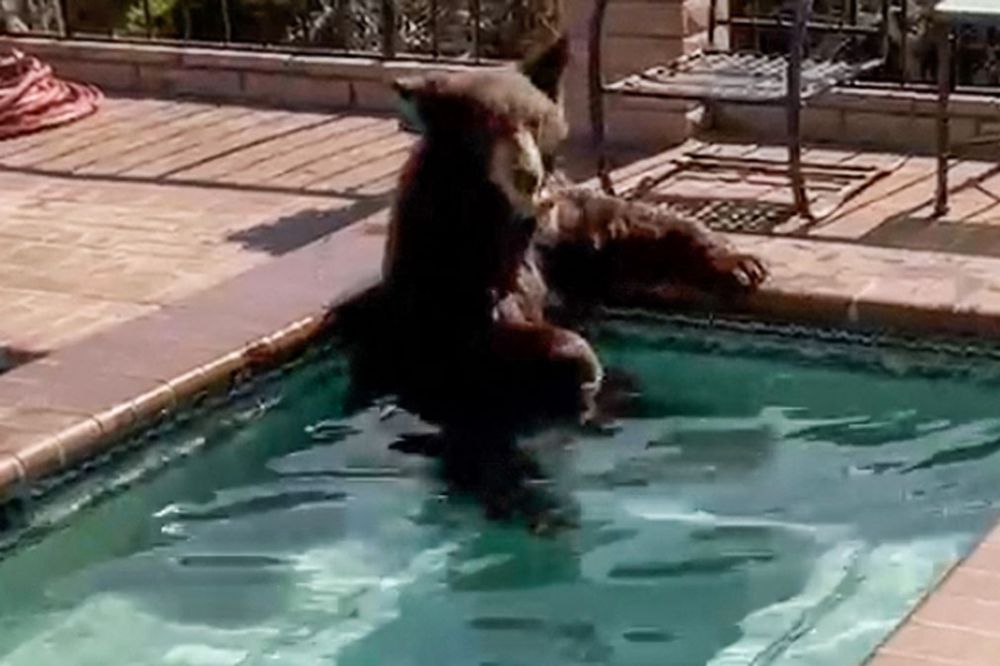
545, 67
414, 93
411, 87
437, 103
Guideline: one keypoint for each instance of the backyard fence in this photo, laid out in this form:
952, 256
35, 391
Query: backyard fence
442, 29
487, 30
900, 29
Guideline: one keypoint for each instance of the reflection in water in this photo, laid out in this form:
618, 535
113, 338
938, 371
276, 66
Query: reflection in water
481, 426
495, 459
867, 431
492, 469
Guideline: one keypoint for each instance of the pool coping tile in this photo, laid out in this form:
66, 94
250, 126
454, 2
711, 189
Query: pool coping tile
894, 658
12, 473
957, 622
92, 399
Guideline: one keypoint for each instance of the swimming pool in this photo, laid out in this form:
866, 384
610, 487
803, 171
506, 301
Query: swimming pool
758, 501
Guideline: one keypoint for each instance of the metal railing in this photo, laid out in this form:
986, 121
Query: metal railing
465, 30
489, 30
900, 30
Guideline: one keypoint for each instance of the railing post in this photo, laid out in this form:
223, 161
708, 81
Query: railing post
887, 31
712, 22
435, 27
942, 30
227, 23
904, 40
956, 56
65, 28
186, 15
388, 28
147, 17
803, 11
477, 19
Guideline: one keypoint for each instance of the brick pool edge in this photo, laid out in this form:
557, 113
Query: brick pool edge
86, 397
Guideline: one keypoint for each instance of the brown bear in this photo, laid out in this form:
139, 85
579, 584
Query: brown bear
482, 225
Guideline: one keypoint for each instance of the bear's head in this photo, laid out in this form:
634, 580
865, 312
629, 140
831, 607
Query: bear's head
507, 122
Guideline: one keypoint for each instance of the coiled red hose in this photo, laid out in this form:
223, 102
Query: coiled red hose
32, 99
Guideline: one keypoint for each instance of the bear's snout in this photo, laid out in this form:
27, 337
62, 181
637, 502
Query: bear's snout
526, 225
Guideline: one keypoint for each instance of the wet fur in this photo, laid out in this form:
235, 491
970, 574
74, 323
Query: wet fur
462, 333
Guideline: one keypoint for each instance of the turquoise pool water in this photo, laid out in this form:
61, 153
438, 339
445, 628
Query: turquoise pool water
749, 507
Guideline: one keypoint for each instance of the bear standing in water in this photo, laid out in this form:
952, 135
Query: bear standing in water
480, 229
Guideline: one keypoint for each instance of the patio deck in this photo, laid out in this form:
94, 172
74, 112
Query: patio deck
151, 201
893, 212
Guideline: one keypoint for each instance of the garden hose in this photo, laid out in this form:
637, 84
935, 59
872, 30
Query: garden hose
33, 99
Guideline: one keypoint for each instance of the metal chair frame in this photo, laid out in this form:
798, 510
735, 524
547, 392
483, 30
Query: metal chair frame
817, 77
946, 13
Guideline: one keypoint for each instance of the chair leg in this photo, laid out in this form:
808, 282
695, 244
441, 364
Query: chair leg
943, 120
794, 107
595, 85
604, 176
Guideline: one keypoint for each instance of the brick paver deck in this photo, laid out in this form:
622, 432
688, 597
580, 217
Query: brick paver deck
151, 201
895, 211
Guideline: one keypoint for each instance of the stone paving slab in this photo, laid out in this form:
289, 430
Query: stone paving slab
72, 404
149, 202
895, 211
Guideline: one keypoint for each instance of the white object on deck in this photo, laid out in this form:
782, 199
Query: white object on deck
969, 8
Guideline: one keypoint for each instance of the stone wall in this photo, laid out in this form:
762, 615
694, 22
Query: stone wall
272, 79
869, 118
